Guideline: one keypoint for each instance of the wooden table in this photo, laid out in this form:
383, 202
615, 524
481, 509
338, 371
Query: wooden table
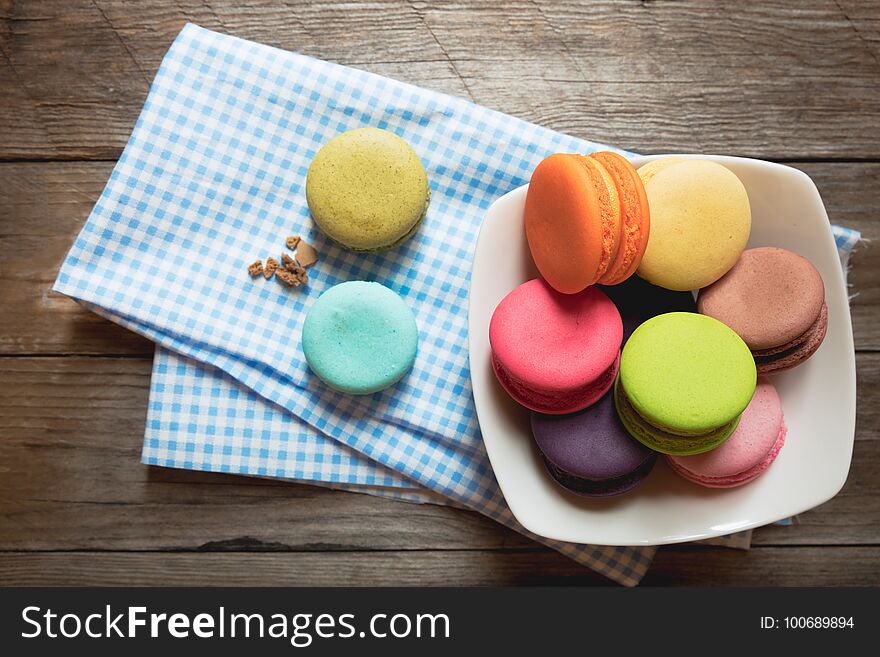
792, 82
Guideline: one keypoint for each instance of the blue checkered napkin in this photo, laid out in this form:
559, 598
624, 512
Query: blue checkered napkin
199, 418
212, 178
846, 239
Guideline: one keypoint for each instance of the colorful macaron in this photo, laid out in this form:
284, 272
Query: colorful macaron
684, 381
367, 189
775, 300
747, 453
360, 337
553, 352
700, 222
587, 220
589, 452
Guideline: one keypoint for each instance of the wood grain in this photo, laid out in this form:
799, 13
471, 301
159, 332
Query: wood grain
766, 79
834, 566
43, 206
71, 480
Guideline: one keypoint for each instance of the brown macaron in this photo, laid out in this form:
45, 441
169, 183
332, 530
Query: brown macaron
775, 300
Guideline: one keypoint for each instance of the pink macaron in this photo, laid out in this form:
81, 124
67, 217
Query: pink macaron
552, 352
748, 452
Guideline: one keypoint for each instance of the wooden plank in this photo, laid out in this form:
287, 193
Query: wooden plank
43, 206
71, 480
831, 566
42, 209
771, 79
72, 431
765, 566
843, 190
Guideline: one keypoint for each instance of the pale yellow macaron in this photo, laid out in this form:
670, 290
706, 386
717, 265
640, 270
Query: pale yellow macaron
367, 189
700, 222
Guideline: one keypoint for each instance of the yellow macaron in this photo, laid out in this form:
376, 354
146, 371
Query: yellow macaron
700, 222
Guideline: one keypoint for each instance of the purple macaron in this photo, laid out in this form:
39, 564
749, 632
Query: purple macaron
589, 452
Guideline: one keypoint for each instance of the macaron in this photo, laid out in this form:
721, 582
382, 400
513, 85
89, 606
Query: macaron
700, 222
587, 220
589, 452
360, 337
747, 453
367, 189
552, 352
775, 300
684, 381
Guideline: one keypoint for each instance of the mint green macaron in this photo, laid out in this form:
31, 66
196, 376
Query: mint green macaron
684, 381
367, 189
360, 337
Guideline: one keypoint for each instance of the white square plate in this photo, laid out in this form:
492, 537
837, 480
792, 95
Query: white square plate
818, 397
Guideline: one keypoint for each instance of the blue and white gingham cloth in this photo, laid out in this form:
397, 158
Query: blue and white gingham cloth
211, 179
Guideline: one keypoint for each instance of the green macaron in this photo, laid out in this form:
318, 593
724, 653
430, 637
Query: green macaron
684, 381
367, 189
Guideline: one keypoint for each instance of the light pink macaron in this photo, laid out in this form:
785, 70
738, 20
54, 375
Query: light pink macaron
552, 352
747, 453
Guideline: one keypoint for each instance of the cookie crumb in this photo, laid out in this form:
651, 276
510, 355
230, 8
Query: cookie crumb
289, 278
306, 254
256, 268
292, 242
271, 266
301, 275
287, 262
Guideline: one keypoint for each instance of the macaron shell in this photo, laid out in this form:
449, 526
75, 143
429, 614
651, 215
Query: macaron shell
367, 189
687, 373
818, 327
750, 449
770, 297
635, 223
652, 168
737, 479
563, 217
556, 402
591, 444
604, 488
609, 210
805, 347
700, 223
555, 342
663, 441
360, 337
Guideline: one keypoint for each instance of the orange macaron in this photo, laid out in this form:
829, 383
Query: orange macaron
587, 220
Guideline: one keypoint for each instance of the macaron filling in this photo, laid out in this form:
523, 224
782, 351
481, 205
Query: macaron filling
662, 439
601, 487
555, 401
